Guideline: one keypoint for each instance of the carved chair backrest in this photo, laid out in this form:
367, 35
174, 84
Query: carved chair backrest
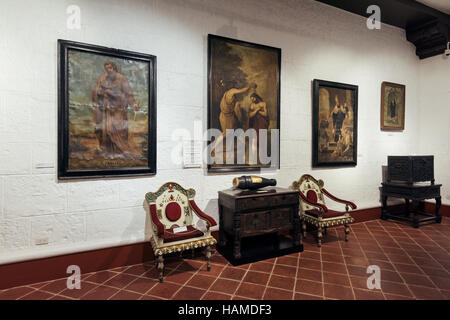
312, 190
172, 205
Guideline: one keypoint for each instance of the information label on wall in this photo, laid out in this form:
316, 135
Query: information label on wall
192, 154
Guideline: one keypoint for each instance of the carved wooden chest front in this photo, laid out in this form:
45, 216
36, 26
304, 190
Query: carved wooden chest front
411, 169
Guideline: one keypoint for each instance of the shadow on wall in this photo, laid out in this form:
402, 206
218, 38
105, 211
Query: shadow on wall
133, 256
228, 30
147, 225
212, 209
130, 231
384, 173
390, 201
260, 13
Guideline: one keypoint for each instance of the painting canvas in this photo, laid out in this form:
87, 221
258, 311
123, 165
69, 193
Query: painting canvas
243, 105
392, 106
335, 119
107, 112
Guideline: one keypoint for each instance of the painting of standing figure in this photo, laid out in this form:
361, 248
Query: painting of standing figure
392, 106
335, 107
107, 111
243, 104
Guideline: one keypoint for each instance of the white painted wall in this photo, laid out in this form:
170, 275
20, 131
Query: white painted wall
317, 41
434, 116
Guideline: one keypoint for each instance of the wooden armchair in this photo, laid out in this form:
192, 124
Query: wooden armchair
313, 210
171, 211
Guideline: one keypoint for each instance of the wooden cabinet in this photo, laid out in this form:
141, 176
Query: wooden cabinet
267, 211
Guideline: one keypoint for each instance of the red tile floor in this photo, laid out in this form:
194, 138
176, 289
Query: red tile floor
413, 265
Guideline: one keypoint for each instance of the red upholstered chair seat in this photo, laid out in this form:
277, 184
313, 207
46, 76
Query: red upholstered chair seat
170, 236
325, 215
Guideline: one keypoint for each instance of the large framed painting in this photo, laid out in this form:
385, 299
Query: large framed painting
392, 106
335, 124
243, 105
106, 111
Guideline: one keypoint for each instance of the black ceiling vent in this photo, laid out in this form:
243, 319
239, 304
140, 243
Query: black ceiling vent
429, 38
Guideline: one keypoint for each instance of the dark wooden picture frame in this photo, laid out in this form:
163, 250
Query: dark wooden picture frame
334, 129
392, 110
226, 70
98, 136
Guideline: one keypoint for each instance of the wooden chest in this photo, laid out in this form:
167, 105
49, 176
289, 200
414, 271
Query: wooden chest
269, 210
410, 169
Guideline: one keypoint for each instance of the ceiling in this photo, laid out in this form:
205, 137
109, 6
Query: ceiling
426, 22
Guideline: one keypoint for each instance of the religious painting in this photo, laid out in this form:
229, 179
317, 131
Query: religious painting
106, 111
335, 124
243, 105
392, 106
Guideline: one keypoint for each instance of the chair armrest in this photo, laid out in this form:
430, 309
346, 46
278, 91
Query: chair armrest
201, 214
322, 208
329, 195
156, 221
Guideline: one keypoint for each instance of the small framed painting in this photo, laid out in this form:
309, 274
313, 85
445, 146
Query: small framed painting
106, 112
392, 106
335, 124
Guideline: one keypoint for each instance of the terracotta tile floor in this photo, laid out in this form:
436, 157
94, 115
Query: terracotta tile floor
413, 264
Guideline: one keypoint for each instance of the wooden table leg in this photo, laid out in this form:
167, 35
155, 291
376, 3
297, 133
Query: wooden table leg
384, 207
438, 205
237, 237
415, 205
222, 237
296, 235
406, 207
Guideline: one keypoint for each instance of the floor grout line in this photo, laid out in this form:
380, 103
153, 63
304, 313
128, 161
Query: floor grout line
426, 275
296, 271
240, 282
27, 294
373, 238
391, 262
346, 268
212, 283
270, 276
183, 285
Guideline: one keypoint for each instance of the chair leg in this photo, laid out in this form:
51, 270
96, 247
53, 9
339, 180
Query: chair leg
319, 236
304, 228
160, 267
347, 231
325, 230
208, 258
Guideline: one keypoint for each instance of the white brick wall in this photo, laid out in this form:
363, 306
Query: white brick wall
434, 129
317, 41
58, 229
115, 223
34, 195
